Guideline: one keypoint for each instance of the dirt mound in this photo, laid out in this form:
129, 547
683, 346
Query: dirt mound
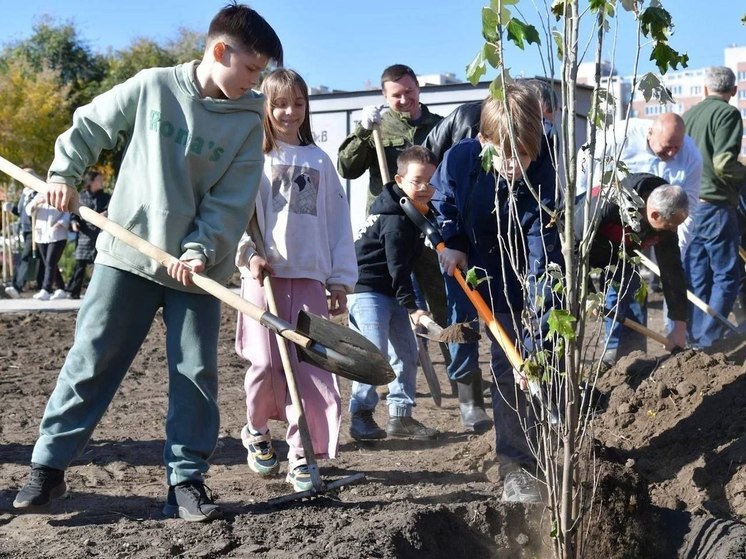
671, 448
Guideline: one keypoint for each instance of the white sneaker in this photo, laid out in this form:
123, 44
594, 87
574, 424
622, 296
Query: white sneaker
43, 295
12, 292
60, 294
520, 487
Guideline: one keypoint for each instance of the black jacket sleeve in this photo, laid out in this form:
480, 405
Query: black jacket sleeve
672, 275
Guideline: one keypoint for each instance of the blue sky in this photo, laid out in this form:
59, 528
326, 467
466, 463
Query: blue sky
346, 44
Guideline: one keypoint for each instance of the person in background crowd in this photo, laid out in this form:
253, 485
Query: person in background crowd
712, 263
94, 197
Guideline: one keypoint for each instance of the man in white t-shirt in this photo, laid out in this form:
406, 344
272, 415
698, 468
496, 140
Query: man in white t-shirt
659, 147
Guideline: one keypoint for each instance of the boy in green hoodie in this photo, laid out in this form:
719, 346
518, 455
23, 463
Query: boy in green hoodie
187, 184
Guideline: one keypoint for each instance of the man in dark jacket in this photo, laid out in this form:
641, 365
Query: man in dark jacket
406, 123
665, 208
712, 261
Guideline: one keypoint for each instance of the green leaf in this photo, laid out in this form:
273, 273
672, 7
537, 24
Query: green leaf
476, 69
497, 89
655, 23
491, 53
520, 33
490, 23
487, 155
473, 279
629, 5
652, 86
562, 323
641, 295
603, 6
494, 4
559, 7
665, 57
559, 41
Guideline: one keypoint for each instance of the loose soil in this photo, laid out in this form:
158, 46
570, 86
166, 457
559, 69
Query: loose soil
671, 472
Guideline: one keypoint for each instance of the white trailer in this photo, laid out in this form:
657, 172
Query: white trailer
335, 115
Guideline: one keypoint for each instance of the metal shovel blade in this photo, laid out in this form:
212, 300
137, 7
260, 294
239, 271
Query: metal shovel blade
342, 351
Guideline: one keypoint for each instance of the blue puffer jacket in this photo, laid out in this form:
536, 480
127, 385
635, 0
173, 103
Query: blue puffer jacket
491, 222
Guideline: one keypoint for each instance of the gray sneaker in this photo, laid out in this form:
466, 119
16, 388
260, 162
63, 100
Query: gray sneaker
190, 501
44, 484
520, 487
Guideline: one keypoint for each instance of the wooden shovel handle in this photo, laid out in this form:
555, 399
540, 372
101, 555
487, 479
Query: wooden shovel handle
381, 154
161, 256
645, 331
696, 301
287, 365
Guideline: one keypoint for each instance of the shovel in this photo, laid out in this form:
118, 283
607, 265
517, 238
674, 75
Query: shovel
422, 355
319, 486
329, 346
637, 327
484, 311
650, 265
455, 334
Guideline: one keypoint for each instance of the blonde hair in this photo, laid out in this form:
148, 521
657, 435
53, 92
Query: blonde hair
522, 107
276, 83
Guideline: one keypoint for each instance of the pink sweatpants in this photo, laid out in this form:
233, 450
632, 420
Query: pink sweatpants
267, 395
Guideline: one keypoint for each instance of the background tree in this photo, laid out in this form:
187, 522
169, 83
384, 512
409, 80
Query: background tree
58, 47
34, 111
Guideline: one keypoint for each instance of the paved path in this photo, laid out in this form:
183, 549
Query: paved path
29, 304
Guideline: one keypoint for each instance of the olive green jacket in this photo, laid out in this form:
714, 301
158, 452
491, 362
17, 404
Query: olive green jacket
357, 153
717, 129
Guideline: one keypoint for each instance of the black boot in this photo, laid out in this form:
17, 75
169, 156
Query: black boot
471, 404
364, 428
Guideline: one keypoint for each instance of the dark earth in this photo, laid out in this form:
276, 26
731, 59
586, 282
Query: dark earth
670, 469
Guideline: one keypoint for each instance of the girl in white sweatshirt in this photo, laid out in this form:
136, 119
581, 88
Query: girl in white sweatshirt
304, 219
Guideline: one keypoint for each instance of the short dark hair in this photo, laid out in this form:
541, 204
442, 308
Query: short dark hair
414, 154
248, 29
396, 72
90, 176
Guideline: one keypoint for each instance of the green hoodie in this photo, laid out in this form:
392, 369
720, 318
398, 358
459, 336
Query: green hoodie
189, 175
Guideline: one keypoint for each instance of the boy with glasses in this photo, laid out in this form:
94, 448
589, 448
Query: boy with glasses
384, 303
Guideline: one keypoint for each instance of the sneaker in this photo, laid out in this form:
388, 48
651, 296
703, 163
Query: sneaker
59, 294
44, 484
364, 428
409, 428
262, 458
12, 292
299, 477
43, 295
520, 487
190, 501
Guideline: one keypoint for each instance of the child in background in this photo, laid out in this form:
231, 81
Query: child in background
304, 219
492, 220
94, 197
384, 300
50, 235
187, 183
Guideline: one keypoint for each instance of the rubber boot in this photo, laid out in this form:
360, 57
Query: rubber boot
471, 404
